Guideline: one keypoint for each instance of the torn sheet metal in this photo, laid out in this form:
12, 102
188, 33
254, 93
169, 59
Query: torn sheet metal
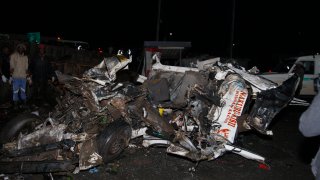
159, 66
64, 144
79, 137
107, 69
190, 79
255, 80
270, 102
45, 135
152, 141
158, 89
145, 111
207, 64
180, 151
138, 132
88, 155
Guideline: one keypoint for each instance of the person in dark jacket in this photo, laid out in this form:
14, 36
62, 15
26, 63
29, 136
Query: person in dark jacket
5, 62
42, 72
5, 87
299, 70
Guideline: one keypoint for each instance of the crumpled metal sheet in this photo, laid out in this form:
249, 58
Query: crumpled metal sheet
88, 155
158, 90
144, 110
45, 135
255, 80
107, 69
270, 102
190, 78
207, 64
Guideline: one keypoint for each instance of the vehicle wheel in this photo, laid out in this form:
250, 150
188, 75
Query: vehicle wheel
113, 140
23, 122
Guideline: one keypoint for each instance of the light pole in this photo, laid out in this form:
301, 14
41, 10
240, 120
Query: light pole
232, 29
158, 20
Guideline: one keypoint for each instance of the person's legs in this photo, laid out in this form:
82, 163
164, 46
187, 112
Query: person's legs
22, 84
35, 92
15, 89
43, 91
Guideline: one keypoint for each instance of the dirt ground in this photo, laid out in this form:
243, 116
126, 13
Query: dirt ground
287, 152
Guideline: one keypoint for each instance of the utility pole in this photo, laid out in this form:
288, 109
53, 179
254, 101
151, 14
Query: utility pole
232, 29
158, 20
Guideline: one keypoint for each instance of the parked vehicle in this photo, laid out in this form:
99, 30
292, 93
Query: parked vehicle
312, 70
195, 112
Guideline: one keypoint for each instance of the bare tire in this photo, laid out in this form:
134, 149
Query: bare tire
16, 125
113, 140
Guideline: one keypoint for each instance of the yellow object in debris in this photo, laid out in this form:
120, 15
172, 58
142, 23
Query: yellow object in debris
122, 58
161, 110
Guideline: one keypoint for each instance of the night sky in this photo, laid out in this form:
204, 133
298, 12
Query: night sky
263, 29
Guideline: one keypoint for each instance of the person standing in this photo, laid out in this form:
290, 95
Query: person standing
18, 68
299, 70
309, 126
5, 63
5, 89
42, 72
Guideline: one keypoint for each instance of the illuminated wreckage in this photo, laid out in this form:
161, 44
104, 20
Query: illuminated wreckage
195, 112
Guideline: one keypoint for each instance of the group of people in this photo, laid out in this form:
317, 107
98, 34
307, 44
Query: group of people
18, 69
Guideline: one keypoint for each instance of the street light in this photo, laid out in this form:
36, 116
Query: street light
158, 20
232, 29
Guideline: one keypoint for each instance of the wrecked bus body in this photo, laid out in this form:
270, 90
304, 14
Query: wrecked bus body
195, 112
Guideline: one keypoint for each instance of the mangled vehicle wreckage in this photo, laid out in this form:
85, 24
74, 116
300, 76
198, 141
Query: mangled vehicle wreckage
195, 112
